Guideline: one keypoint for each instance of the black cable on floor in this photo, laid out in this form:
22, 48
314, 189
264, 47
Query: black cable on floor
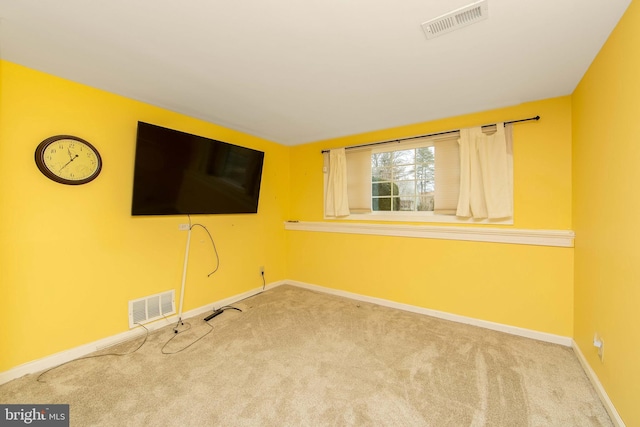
39, 379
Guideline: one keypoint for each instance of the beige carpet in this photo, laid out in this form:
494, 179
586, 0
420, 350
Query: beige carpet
299, 358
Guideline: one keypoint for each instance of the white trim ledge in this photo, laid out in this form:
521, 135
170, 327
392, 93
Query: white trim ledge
557, 238
604, 397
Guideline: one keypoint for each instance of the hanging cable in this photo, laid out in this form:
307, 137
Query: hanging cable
213, 243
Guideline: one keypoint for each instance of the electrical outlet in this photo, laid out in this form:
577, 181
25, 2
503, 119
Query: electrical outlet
601, 350
183, 227
598, 342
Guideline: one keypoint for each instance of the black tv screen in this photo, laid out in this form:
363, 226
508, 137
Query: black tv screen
179, 173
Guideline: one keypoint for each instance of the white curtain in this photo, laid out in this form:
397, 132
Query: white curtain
337, 200
359, 180
486, 173
447, 175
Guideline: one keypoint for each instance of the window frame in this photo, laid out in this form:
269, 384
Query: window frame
407, 216
404, 147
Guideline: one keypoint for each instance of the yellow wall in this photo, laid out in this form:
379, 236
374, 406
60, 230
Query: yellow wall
71, 257
606, 155
524, 286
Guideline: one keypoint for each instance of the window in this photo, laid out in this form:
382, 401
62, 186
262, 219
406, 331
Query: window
403, 180
412, 180
400, 180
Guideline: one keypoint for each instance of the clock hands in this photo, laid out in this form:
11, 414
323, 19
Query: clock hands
66, 164
51, 158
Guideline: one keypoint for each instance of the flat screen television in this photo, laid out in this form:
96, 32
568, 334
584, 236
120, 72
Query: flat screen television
179, 173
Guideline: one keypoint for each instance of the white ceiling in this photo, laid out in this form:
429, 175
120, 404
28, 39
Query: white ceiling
300, 71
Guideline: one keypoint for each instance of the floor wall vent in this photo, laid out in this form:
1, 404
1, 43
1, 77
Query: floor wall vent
153, 307
456, 19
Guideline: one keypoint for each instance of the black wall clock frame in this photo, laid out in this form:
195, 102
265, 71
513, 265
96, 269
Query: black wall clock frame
69, 160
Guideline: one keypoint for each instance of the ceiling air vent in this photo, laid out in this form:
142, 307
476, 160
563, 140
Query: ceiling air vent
456, 19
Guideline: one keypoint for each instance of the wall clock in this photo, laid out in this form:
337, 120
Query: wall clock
68, 160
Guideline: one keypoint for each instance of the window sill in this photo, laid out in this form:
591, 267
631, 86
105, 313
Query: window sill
557, 238
418, 217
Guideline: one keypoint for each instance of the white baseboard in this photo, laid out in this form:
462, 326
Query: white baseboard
604, 397
74, 353
527, 333
82, 350
513, 330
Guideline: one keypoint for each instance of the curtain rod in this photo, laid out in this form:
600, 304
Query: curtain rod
431, 134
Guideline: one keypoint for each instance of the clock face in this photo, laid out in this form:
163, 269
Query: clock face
68, 159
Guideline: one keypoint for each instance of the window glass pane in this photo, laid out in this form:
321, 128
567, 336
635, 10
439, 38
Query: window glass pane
425, 155
381, 203
425, 186
404, 172
426, 172
407, 203
381, 159
381, 189
381, 174
404, 188
425, 202
404, 157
